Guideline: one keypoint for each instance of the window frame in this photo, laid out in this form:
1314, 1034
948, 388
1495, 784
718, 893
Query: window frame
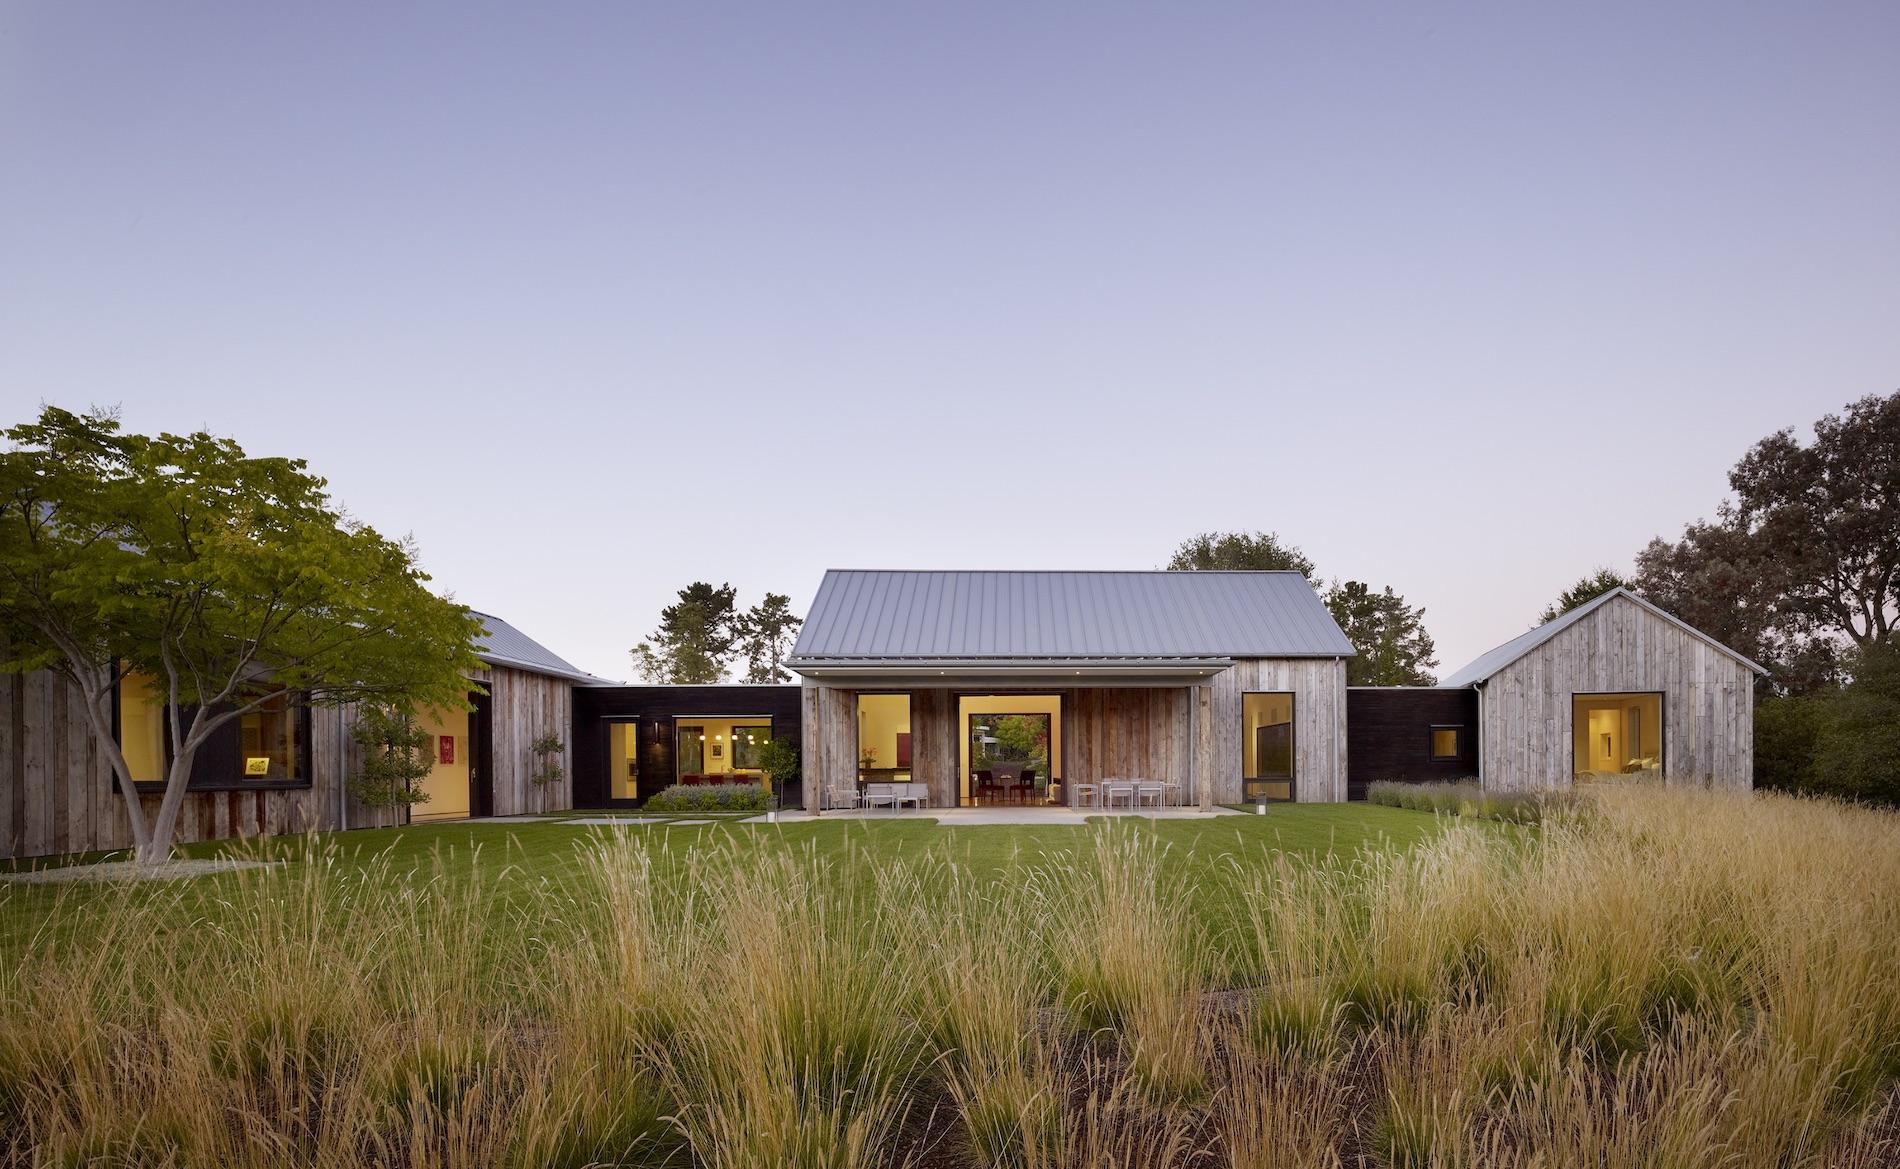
1662, 724
1431, 742
197, 782
1292, 778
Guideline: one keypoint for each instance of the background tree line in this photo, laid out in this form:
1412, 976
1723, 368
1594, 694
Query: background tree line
704, 635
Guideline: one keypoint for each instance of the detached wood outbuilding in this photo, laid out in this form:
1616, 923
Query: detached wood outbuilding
1613, 690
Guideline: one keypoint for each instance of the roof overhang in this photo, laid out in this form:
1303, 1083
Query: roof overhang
1010, 673
509, 663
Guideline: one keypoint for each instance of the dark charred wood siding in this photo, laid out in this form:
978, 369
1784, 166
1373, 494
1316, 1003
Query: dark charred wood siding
1389, 736
653, 709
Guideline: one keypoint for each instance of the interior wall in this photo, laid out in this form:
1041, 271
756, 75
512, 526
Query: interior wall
881, 718
447, 783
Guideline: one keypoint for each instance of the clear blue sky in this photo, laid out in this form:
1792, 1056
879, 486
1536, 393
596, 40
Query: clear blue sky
599, 299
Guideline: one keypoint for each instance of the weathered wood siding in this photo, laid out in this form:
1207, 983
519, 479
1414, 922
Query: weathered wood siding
1708, 701
1318, 686
57, 794
525, 707
829, 737
1129, 734
1183, 734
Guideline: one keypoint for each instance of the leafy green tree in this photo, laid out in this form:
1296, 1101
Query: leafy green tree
1829, 511
765, 635
1857, 749
231, 580
1394, 649
1802, 564
695, 638
1587, 589
396, 756
1239, 551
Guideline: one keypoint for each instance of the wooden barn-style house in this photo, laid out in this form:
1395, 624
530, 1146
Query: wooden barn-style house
939, 689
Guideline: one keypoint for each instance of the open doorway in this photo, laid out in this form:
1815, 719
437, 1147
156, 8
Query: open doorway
1011, 748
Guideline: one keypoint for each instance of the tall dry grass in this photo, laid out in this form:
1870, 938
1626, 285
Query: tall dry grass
1648, 978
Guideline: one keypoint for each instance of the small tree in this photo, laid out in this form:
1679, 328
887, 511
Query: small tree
231, 581
547, 760
396, 757
778, 759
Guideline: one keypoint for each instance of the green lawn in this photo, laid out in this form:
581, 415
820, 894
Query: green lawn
518, 856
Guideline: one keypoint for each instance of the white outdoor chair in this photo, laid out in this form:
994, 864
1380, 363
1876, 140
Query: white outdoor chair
1118, 789
914, 793
880, 795
847, 796
1149, 788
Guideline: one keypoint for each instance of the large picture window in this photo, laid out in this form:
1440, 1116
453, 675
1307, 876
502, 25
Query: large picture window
1617, 735
1266, 747
268, 746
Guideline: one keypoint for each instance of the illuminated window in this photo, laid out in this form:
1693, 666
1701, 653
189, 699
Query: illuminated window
1266, 746
142, 727
1445, 743
884, 736
623, 761
1617, 735
270, 742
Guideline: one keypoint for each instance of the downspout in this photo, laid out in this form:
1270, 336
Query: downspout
343, 771
1482, 785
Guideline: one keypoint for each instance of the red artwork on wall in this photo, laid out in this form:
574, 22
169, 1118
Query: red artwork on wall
445, 748
903, 748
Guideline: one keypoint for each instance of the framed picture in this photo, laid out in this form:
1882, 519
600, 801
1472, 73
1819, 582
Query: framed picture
257, 765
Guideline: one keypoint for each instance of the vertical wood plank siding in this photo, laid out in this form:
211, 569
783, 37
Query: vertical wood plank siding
527, 706
1708, 701
57, 794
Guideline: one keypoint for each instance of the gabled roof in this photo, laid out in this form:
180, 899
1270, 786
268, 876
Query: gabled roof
501, 644
1117, 617
1486, 664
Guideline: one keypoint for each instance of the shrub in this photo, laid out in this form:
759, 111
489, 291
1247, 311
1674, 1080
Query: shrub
1466, 798
716, 797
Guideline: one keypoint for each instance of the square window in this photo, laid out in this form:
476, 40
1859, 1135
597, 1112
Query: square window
1445, 743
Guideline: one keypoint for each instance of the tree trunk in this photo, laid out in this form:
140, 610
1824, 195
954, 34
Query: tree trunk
158, 848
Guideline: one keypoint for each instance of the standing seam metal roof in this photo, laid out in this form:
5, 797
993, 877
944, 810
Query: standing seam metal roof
860, 614
503, 644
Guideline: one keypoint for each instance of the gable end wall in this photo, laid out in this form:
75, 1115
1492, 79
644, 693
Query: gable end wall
1708, 701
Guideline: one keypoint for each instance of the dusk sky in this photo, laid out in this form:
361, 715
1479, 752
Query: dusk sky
596, 300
